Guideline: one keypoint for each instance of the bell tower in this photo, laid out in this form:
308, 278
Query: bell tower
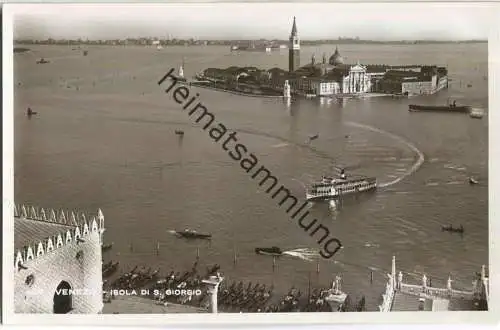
294, 49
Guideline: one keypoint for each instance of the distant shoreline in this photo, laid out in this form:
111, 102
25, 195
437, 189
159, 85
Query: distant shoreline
261, 43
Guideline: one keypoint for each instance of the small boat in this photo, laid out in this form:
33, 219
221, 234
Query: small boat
179, 132
444, 108
42, 61
30, 112
85, 52
313, 137
473, 181
107, 247
476, 113
271, 251
452, 229
192, 234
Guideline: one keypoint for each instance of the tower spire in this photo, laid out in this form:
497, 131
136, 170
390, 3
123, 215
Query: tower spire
294, 28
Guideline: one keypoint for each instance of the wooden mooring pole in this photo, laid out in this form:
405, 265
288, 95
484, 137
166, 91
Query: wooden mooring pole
274, 262
317, 267
197, 253
157, 248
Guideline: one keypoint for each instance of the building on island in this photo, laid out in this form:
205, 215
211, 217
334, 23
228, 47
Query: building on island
57, 262
332, 77
401, 296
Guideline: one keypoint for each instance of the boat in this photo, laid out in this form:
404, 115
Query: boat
271, 251
107, 247
452, 229
443, 108
330, 188
42, 61
85, 52
473, 181
313, 137
476, 113
30, 112
179, 132
192, 234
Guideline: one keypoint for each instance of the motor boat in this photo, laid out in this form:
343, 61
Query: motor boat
42, 61
452, 229
179, 132
313, 137
270, 251
473, 181
192, 234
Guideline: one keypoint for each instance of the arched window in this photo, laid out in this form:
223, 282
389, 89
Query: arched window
63, 299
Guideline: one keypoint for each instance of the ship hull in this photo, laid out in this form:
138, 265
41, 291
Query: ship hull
457, 109
336, 194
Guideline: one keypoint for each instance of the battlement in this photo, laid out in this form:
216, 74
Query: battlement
68, 229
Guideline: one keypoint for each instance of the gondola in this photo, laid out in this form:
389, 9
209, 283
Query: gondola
452, 229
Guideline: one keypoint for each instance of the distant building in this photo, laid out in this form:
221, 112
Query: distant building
334, 76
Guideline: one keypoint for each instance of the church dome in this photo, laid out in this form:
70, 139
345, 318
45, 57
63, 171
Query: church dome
336, 59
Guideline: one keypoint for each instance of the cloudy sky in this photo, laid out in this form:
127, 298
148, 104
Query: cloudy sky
380, 21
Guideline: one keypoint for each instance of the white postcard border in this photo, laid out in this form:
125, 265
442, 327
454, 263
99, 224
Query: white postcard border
9, 317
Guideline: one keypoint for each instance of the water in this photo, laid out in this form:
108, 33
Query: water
105, 139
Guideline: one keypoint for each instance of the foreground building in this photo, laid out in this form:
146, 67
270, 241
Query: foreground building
58, 262
401, 296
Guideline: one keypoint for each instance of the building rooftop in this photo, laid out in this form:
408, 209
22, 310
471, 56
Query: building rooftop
27, 231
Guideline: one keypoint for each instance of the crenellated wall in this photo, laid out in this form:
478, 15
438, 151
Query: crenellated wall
73, 256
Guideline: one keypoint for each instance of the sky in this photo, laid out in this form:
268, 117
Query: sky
376, 21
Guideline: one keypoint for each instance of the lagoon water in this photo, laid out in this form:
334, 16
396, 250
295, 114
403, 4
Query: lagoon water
104, 138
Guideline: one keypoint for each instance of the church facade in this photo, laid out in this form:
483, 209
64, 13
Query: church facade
58, 262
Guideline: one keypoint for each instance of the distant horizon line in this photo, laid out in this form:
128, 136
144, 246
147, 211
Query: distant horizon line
82, 39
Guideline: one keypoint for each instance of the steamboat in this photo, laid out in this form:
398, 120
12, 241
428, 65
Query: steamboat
331, 188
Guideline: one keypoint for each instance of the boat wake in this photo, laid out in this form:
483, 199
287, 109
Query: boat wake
306, 254
280, 145
408, 172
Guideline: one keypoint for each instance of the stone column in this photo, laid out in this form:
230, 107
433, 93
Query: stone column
213, 283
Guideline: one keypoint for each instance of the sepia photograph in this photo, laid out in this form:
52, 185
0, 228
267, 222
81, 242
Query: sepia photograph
247, 159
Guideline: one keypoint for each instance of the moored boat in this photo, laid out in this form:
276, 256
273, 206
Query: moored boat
193, 234
330, 188
273, 251
444, 108
179, 132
